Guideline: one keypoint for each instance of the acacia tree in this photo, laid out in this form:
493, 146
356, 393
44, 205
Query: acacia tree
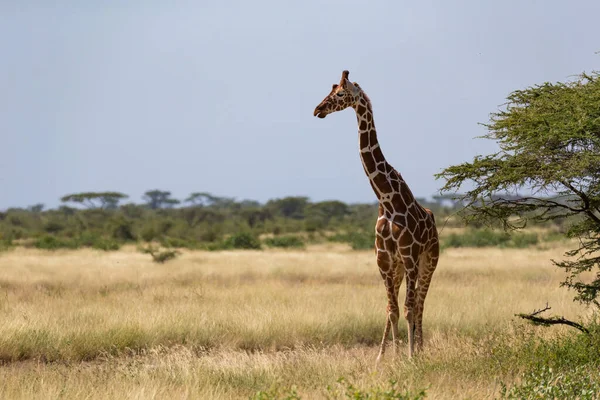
549, 147
159, 199
104, 200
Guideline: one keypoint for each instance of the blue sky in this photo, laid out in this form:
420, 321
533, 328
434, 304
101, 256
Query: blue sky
218, 96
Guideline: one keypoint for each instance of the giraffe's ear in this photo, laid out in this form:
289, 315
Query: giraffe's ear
335, 86
351, 87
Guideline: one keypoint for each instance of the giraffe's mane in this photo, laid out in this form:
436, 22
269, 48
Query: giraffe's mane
369, 105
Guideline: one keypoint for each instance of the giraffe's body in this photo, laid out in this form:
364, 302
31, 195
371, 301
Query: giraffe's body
407, 240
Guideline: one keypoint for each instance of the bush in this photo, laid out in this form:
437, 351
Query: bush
490, 238
177, 243
242, 240
121, 228
149, 233
48, 242
106, 244
547, 383
53, 227
563, 367
345, 390
159, 256
87, 239
5, 244
362, 241
285, 242
359, 240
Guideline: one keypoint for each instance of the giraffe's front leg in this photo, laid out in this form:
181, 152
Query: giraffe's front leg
384, 262
410, 302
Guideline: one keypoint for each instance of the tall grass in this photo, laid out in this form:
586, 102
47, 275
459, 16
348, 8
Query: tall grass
240, 323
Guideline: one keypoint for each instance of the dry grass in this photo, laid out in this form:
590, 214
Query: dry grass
84, 323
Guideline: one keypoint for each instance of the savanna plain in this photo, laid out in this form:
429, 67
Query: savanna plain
265, 324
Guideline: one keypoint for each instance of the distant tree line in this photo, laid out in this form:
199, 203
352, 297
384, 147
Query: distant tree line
200, 218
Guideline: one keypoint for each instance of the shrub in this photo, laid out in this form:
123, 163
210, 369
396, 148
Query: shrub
106, 244
53, 227
362, 241
359, 240
547, 383
149, 233
242, 240
48, 242
177, 243
490, 238
158, 255
121, 228
285, 242
87, 238
344, 390
5, 244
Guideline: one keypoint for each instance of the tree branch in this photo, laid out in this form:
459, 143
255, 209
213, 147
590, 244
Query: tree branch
533, 317
586, 201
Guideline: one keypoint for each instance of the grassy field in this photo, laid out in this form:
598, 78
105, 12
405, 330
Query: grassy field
92, 324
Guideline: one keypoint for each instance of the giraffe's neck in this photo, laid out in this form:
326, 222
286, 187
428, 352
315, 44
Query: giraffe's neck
384, 180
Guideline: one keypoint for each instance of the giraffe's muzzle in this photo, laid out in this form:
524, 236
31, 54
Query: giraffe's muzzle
319, 112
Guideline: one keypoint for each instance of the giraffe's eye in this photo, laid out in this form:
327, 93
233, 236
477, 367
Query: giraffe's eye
339, 94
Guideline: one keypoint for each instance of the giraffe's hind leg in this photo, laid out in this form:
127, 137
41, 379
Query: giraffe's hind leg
427, 265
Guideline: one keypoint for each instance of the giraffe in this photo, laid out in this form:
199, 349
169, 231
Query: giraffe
406, 241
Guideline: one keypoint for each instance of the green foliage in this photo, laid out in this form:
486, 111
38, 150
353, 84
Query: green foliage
121, 228
106, 200
53, 227
358, 240
159, 256
173, 242
243, 241
159, 199
288, 207
285, 242
576, 383
106, 244
276, 394
345, 389
489, 238
5, 244
48, 242
549, 141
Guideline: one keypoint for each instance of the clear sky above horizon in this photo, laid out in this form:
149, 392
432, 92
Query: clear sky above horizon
218, 97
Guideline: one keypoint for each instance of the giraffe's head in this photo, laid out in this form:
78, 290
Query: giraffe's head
342, 95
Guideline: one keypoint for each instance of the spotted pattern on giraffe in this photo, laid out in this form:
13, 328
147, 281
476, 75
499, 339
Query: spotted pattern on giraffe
406, 243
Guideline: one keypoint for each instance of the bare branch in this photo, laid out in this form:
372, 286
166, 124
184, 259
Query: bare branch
533, 317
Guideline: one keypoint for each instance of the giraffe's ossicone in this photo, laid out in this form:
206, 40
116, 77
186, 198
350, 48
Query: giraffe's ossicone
406, 241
